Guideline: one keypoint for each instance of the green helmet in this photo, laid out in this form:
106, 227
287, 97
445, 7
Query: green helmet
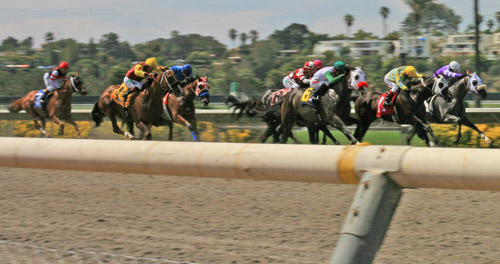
339, 65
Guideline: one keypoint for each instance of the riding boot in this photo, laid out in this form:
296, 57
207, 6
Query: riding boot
125, 95
388, 98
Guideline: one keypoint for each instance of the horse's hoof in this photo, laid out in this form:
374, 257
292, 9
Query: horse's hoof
487, 141
128, 135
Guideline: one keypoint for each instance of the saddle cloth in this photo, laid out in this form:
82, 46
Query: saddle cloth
385, 110
118, 94
277, 96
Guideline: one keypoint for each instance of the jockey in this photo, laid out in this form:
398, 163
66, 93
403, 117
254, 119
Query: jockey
182, 72
52, 77
300, 77
398, 78
449, 71
326, 78
134, 79
318, 64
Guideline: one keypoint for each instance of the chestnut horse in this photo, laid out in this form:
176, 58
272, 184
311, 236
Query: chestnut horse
203, 91
181, 109
57, 106
145, 107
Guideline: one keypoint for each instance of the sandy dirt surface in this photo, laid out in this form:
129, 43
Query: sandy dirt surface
226, 221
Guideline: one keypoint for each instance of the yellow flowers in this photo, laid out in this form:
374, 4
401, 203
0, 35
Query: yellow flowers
470, 138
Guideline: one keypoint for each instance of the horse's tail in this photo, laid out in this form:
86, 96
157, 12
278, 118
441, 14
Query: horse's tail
16, 106
236, 104
97, 114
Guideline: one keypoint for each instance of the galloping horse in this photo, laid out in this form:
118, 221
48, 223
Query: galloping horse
181, 110
443, 112
267, 106
203, 91
408, 105
57, 106
145, 108
335, 108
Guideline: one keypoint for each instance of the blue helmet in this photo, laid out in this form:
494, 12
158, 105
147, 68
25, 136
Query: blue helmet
187, 69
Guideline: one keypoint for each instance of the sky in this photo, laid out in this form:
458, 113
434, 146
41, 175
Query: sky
140, 21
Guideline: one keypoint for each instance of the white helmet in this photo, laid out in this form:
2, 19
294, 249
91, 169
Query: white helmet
454, 66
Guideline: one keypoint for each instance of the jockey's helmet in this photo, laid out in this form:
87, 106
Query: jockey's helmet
454, 66
318, 64
186, 69
309, 65
151, 62
412, 72
339, 65
63, 65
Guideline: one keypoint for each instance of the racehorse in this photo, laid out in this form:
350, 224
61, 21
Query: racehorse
57, 106
267, 106
408, 105
203, 91
443, 112
181, 109
334, 106
145, 108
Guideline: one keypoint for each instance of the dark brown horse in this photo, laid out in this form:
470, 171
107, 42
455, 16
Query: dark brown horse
335, 108
409, 106
145, 108
57, 106
442, 112
181, 109
267, 106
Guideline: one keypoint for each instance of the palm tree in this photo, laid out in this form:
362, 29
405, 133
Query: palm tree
49, 37
233, 34
254, 35
497, 16
490, 25
243, 38
384, 12
349, 19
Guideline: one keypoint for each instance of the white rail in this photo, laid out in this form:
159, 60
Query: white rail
447, 168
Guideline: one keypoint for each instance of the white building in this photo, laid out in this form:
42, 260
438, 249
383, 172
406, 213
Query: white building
464, 45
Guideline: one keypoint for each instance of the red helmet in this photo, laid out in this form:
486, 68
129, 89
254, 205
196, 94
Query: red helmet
318, 64
64, 65
309, 65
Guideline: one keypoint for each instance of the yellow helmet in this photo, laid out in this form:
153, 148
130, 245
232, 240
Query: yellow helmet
411, 71
151, 62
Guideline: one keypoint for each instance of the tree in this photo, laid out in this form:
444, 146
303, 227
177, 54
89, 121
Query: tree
292, 37
349, 20
28, 42
490, 25
430, 16
233, 34
49, 37
243, 38
497, 16
174, 34
384, 12
254, 35
361, 34
9, 44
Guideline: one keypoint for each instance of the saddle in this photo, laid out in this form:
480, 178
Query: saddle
277, 96
385, 110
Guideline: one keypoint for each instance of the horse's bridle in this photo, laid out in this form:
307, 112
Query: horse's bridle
73, 85
164, 76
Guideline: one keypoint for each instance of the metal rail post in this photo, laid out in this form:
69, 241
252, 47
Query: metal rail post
367, 220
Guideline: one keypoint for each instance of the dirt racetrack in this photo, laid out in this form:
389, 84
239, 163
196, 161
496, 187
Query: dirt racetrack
226, 221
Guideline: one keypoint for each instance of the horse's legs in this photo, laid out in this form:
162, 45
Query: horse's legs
427, 129
146, 132
170, 131
468, 123
267, 133
180, 120
459, 134
339, 124
71, 121
411, 134
116, 128
60, 123
313, 134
